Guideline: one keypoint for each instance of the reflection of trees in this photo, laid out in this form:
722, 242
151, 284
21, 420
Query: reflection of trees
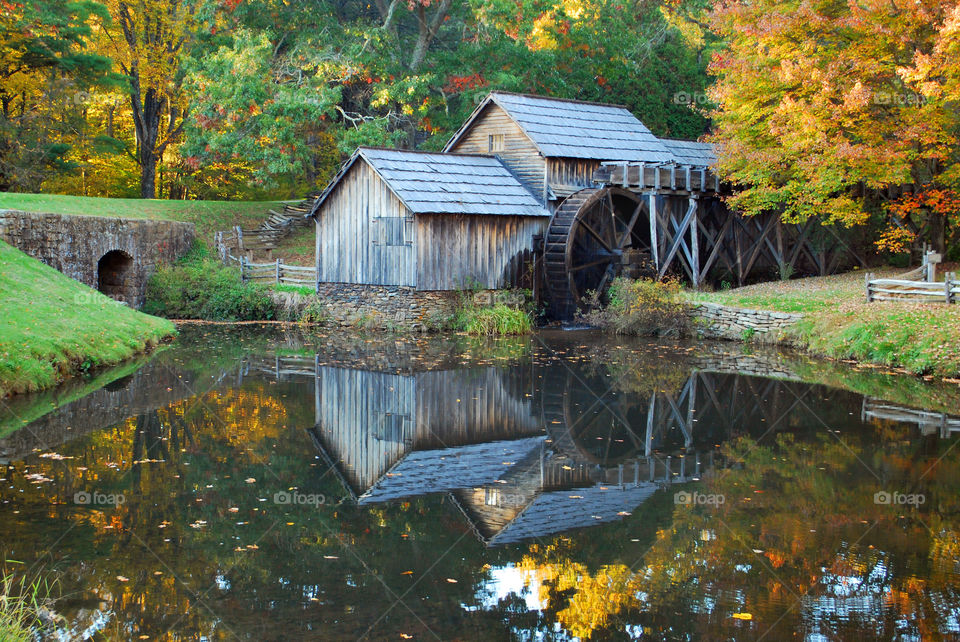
798, 536
282, 570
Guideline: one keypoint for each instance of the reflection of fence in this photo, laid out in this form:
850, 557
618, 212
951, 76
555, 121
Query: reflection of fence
277, 272
281, 368
919, 285
928, 421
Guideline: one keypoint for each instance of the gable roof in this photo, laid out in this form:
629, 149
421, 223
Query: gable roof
689, 152
440, 183
445, 469
574, 129
562, 510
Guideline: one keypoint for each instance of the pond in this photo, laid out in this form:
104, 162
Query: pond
261, 483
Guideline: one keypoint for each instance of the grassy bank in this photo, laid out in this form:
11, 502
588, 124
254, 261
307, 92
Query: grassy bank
208, 216
53, 327
922, 338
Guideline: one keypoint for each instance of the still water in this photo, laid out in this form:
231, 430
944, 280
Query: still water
268, 484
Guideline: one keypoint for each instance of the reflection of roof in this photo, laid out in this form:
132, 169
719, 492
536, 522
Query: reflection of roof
562, 510
446, 183
445, 469
688, 152
573, 129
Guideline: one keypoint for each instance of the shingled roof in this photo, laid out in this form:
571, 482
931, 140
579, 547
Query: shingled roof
429, 183
563, 510
574, 129
444, 469
688, 152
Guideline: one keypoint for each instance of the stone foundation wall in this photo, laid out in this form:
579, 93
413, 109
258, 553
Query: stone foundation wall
383, 307
75, 245
714, 321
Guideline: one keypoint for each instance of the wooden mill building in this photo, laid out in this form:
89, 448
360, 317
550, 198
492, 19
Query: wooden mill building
562, 193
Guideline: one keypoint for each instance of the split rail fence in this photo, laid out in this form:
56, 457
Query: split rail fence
276, 271
919, 285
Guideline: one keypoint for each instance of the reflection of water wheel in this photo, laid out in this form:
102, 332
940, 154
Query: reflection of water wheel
589, 421
585, 244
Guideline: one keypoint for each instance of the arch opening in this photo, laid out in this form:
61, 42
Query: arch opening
115, 275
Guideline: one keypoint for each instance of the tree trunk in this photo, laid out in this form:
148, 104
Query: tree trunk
148, 173
938, 233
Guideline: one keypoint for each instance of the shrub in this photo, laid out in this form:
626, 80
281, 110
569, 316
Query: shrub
641, 306
497, 319
198, 287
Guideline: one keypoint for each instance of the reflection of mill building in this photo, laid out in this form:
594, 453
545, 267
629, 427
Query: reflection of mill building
478, 433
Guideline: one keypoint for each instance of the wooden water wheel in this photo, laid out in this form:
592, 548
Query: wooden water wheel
589, 421
585, 244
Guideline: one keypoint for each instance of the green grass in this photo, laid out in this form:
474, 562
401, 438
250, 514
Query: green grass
305, 290
53, 327
208, 216
499, 319
20, 603
922, 338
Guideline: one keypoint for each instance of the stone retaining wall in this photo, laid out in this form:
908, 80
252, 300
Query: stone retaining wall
378, 307
714, 321
77, 245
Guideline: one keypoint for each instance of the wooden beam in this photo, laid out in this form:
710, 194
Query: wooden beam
694, 242
654, 224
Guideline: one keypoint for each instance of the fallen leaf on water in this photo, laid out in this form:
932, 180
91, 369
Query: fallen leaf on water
122, 578
250, 480
233, 509
452, 581
742, 616
407, 573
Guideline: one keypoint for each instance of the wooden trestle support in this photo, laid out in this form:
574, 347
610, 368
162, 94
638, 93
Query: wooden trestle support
643, 220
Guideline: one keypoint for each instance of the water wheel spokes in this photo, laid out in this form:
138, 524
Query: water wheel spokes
585, 241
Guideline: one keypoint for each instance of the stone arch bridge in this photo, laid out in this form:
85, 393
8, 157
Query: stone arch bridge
114, 255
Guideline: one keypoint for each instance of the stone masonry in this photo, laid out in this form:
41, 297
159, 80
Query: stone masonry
382, 307
114, 255
714, 321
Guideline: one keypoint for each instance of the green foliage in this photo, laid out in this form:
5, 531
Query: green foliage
314, 313
499, 319
252, 122
641, 306
199, 287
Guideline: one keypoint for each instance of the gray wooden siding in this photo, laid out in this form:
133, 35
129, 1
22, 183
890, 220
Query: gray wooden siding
365, 419
519, 152
471, 405
346, 231
369, 420
456, 251
565, 174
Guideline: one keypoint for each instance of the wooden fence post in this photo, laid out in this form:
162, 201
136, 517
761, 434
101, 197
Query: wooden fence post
278, 271
866, 283
948, 280
243, 261
239, 240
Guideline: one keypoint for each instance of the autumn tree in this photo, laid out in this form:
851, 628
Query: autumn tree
151, 43
823, 106
46, 68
